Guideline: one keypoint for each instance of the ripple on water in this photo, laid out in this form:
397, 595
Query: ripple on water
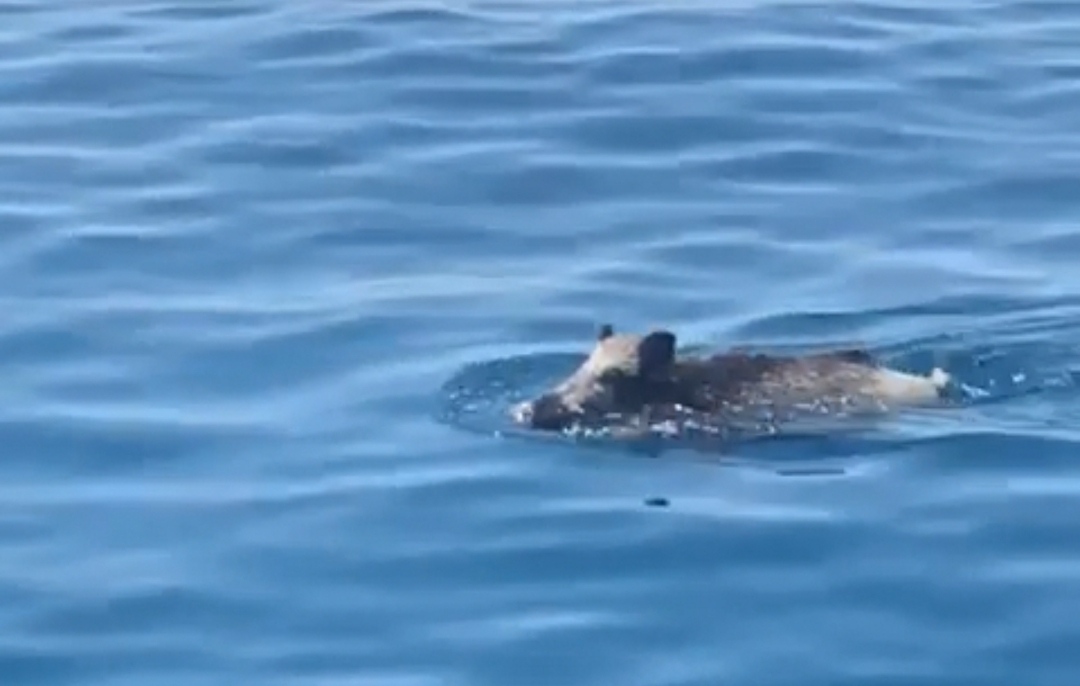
246, 243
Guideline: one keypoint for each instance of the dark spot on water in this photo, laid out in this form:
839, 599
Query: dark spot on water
657, 502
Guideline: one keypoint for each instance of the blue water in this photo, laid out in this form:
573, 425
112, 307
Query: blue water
254, 255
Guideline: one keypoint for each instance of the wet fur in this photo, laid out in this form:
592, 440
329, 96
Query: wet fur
642, 375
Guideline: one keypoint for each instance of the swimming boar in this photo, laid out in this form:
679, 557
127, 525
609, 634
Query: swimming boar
630, 375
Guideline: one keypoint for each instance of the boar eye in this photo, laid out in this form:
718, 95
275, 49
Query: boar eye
612, 374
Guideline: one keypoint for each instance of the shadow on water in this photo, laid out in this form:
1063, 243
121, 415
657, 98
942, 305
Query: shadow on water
477, 398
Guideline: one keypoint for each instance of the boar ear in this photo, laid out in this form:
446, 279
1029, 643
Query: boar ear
656, 352
606, 331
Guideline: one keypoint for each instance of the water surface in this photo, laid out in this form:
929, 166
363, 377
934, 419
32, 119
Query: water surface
245, 245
